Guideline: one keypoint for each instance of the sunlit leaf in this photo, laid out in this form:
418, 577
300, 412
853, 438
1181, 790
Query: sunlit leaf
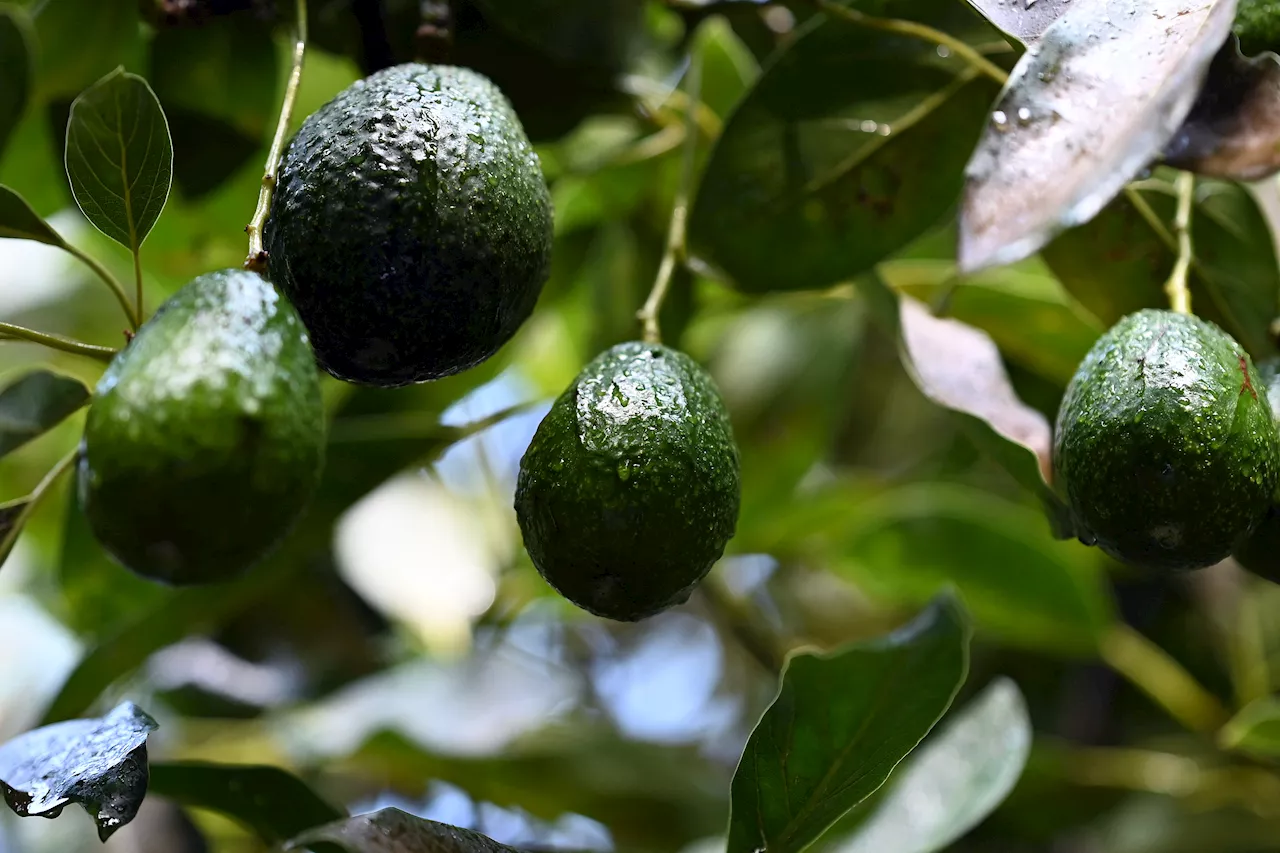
394, 831
16, 68
1083, 113
1255, 730
35, 404
99, 763
958, 777
120, 157
19, 222
841, 723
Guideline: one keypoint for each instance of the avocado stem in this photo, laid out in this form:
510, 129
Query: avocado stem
1150, 668
9, 331
676, 248
134, 316
32, 502
1176, 287
257, 258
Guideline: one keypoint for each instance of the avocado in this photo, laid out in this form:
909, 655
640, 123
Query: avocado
1259, 552
411, 226
630, 489
1165, 447
205, 438
1258, 26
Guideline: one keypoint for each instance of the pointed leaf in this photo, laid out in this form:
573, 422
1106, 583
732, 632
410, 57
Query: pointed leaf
120, 157
1255, 730
842, 721
35, 404
1084, 111
272, 802
394, 831
1024, 20
16, 67
19, 222
99, 763
850, 146
957, 778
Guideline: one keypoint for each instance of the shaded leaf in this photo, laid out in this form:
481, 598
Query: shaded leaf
68, 61
16, 68
119, 157
99, 763
19, 222
394, 831
849, 147
1083, 112
1255, 730
842, 721
272, 802
958, 777
597, 33
1233, 130
35, 404
1024, 21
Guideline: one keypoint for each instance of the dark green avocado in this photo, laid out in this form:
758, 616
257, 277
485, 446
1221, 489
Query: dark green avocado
1259, 552
1258, 26
411, 226
1165, 446
629, 490
206, 435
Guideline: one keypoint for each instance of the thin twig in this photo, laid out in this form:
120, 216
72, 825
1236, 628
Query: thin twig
132, 315
257, 259
675, 249
1150, 668
1176, 287
764, 648
58, 342
32, 503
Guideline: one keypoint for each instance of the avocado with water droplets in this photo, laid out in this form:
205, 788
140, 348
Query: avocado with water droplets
206, 434
1259, 552
411, 226
630, 488
1165, 447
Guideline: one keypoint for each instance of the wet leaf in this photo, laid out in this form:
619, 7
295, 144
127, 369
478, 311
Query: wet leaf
958, 777
842, 721
120, 157
1024, 21
1084, 111
16, 68
849, 146
19, 222
99, 763
1233, 130
1255, 730
35, 404
272, 802
394, 831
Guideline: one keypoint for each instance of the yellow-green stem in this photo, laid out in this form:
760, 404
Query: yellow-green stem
21, 333
1176, 287
1150, 668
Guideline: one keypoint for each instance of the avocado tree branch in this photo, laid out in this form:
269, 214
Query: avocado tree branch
257, 259
1150, 668
1176, 287
9, 331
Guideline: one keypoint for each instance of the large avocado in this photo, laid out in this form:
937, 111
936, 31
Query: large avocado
411, 226
1165, 446
629, 490
1259, 552
205, 438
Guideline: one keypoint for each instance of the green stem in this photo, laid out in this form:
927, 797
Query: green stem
764, 648
137, 277
32, 503
1176, 287
58, 342
111, 281
1150, 668
257, 259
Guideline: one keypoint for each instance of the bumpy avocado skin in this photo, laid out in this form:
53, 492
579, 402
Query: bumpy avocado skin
630, 488
411, 226
1165, 447
1258, 26
1259, 552
205, 439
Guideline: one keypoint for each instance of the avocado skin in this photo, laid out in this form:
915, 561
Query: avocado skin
1258, 26
411, 226
205, 439
1165, 446
1259, 552
630, 488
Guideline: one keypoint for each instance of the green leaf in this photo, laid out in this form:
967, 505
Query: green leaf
1255, 730
11, 513
68, 61
35, 404
272, 802
16, 68
842, 721
728, 67
99, 763
394, 831
957, 778
804, 189
599, 33
19, 222
120, 157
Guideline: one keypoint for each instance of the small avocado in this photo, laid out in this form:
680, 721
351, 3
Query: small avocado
205, 438
1258, 26
1165, 447
411, 226
629, 490
1259, 552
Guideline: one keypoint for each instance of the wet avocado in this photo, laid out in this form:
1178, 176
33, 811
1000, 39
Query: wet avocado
1259, 552
411, 226
630, 489
205, 438
1165, 448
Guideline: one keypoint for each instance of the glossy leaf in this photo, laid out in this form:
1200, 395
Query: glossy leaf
120, 157
35, 404
16, 68
1255, 730
99, 763
1082, 114
68, 60
849, 147
19, 222
842, 721
272, 802
1024, 21
958, 777
395, 831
